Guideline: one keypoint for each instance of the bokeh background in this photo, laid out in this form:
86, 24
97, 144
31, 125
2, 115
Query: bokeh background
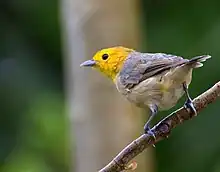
58, 117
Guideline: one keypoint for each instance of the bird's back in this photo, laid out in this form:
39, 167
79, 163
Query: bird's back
140, 66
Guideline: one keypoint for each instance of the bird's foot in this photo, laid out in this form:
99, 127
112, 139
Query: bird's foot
189, 105
148, 131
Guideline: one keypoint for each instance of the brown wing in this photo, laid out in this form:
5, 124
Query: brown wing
140, 66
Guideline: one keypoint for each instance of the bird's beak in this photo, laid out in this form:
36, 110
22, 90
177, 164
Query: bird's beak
88, 63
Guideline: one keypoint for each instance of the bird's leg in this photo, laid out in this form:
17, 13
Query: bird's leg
153, 112
188, 103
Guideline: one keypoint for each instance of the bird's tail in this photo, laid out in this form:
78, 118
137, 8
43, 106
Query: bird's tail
196, 62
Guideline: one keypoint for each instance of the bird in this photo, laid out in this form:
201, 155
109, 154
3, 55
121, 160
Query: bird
153, 81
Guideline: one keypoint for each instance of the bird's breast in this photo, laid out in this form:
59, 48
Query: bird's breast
164, 93
170, 97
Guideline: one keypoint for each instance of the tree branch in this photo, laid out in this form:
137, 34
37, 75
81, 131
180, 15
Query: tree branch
161, 130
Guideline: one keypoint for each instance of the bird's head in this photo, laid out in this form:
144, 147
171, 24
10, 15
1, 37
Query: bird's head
109, 61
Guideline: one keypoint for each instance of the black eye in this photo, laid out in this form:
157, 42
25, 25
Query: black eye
105, 56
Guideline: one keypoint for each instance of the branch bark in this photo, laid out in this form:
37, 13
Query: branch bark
161, 130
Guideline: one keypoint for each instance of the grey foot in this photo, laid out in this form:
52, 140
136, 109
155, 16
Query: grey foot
189, 105
147, 130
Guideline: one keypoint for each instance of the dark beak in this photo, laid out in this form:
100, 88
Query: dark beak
88, 63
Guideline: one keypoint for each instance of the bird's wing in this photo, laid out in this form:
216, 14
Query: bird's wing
140, 66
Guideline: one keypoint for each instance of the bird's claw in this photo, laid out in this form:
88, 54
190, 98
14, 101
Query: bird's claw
189, 105
148, 131
151, 133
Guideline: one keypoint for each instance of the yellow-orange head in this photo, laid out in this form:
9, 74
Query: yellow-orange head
109, 61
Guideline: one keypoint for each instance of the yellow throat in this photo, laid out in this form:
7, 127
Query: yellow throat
109, 61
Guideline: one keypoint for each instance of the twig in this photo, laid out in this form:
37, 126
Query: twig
161, 130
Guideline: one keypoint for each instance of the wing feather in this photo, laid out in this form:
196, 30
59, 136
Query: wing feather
141, 66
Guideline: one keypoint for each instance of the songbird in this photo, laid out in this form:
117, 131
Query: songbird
154, 81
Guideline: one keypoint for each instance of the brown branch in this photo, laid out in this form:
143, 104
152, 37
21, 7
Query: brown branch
161, 130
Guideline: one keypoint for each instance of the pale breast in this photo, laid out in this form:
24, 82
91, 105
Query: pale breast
150, 92
163, 90
145, 93
170, 98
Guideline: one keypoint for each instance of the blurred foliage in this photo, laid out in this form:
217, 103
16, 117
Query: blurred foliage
33, 125
188, 28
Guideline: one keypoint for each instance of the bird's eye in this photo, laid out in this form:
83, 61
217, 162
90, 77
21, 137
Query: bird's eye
105, 56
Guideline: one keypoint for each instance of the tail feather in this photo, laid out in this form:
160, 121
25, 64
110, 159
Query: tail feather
197, 61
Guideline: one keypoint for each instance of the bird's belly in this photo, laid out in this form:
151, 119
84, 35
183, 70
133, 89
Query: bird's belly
151, 92
170, 98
